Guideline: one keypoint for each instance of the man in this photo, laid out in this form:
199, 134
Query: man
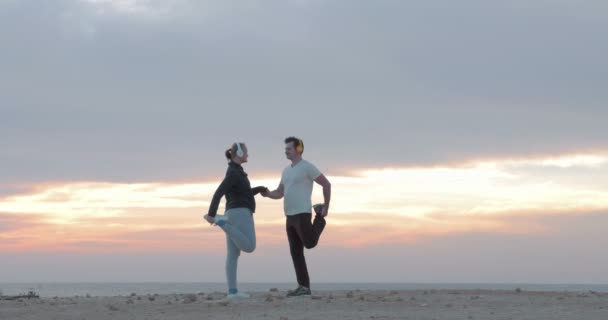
296, 187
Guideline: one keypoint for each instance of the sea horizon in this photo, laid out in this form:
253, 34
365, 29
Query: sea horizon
103, 289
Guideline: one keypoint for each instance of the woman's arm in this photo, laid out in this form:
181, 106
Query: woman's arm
221, 190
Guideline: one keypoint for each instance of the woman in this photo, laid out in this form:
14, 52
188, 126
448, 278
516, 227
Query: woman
237, 222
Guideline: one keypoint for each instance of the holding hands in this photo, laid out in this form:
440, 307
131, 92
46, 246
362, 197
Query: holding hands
261, 190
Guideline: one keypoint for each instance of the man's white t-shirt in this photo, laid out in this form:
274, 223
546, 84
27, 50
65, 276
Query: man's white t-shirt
297, 184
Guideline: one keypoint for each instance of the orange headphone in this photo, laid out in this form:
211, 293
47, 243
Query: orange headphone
300, 146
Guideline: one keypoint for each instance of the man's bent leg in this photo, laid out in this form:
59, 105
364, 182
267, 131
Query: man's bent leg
309, 232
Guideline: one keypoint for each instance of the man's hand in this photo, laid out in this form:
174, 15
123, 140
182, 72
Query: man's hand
209, 219
265, 193
320, 209
325, 211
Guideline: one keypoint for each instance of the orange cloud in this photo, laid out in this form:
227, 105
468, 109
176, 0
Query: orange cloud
384, 205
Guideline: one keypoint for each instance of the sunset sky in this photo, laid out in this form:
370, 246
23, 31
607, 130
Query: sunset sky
466, 141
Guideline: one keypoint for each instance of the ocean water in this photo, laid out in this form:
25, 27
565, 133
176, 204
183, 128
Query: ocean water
125, 289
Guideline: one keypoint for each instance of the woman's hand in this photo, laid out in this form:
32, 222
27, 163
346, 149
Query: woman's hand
209, 219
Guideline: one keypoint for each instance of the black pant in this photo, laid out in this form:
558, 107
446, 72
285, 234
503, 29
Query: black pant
301, 234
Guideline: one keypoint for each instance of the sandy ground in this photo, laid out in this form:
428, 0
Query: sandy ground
421, 304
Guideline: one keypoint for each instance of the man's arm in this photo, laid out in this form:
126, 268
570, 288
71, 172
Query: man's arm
322, 180
275, 194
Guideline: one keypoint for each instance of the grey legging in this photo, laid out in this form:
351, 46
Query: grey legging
240, 236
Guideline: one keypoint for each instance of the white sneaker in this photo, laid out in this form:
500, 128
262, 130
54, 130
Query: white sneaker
238, 295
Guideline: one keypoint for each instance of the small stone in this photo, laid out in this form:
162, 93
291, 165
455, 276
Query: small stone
112, 307
190, 298
274, 290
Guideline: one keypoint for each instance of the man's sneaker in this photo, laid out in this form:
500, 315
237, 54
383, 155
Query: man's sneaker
220, 220
238, 295
318, 208
299, 291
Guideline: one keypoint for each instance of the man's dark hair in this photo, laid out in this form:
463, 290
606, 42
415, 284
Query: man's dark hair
296, 142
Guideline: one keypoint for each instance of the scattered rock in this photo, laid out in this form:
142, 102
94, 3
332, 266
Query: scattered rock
394, 293
274, 290
151, 298
129, 301
350, 294
283, 318
316, 297
449, 305
133, 294
88, 296
112, 307
269, 298
223, 303
475, 297
518, 290
413, 299
190, 298
362, 297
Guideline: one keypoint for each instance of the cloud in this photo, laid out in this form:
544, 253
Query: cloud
106, 91
408, 204
564, 250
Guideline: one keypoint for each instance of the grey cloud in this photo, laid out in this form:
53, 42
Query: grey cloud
118, 96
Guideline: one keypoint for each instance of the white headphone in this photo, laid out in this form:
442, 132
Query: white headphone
239, 151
